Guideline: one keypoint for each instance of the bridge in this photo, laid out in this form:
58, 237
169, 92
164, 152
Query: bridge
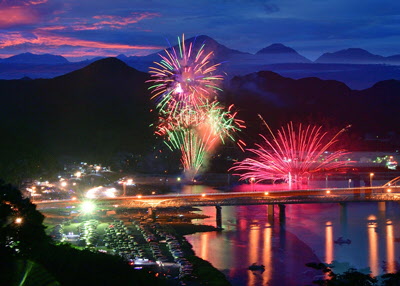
388, 192
332, 195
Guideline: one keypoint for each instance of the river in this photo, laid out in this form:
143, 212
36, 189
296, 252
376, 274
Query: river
308, 235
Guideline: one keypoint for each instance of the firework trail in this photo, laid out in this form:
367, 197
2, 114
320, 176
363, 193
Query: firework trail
291, 155
183, 85
197, 133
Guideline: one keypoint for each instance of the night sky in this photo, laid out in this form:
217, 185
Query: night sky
82, 29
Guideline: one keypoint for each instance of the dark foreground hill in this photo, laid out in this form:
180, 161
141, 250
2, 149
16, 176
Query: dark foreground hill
100, 110
312, 100
91, 113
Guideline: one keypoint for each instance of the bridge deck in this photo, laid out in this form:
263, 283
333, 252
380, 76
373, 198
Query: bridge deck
366, 194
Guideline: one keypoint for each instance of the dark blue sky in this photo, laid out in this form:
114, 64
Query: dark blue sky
80, 29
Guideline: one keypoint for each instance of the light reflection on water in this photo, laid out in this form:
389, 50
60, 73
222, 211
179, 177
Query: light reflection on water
308, 235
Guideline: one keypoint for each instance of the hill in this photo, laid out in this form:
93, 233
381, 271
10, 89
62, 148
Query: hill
29, 58
278, 53
331, 103
91, 113
357, 68
104, 109
357, 56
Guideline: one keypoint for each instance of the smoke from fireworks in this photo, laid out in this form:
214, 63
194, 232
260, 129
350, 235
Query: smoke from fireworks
190, 119
293, 154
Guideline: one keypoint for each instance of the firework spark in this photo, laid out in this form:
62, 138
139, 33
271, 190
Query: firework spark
184, 78
293, 154
190, 119
196, 133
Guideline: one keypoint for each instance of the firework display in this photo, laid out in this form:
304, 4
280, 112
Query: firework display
196, 133
191, 120
183, 78
292, 155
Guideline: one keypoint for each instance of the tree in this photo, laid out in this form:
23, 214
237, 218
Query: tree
351, 277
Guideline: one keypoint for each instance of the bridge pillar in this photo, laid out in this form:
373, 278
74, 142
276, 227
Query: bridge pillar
218, 217
382, 206
151, 213
282, 214
270, 213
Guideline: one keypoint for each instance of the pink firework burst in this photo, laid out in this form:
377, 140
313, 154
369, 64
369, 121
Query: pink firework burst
293, 154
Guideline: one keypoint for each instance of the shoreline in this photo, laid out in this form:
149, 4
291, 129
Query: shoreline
180, 227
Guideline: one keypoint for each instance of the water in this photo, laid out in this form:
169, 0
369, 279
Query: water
307, 235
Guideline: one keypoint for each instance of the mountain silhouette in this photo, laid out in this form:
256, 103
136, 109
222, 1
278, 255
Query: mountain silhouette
29, 58
279, 53
90, 113
280, 99
104, 108
352, 55
355, 67
394, 60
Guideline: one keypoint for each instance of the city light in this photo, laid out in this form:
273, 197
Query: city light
101, 191
88, 207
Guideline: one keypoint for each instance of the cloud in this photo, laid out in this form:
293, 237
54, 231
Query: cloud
53, 28
114, 21
41, 38
246, 25
16, 16
21, 3
97, 22
42, 42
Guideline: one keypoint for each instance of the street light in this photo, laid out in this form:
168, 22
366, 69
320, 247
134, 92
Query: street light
18, 220
88, 207
371, 175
